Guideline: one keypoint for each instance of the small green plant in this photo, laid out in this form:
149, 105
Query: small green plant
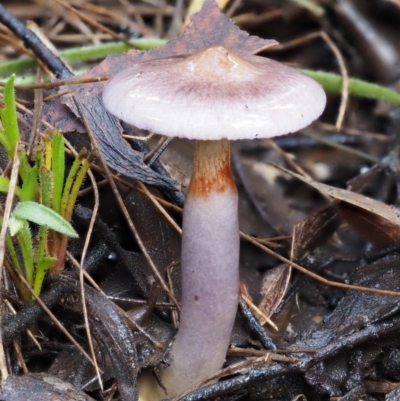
44, 199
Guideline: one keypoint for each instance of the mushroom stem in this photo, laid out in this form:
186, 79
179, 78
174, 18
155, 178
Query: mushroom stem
210, 270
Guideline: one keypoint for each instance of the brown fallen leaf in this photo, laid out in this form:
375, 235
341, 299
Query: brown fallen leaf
314, 231
208, 27
307, 235
273, 289
378, 222
376, 229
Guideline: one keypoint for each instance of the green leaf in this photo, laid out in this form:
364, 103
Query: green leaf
24, 237
9, 117
3, 138
5, 184
58, 169
44, 264
29, 186
69, 183
41, 247
11, 250
46, 185
13, 253
9, 136
24, 166
15, 225
44, 216
80, 176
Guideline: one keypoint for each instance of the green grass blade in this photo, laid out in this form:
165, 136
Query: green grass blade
332, 83
3, 138
46, 185
58, 169
42, 242
75, 188
24, 166
29, 186
11, 250
9, 116
13, 254
42, 267
9, 136
44, 216
4, 185
69, 183
25, 243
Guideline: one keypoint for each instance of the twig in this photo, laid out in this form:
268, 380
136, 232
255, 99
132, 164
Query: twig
289, 160
56, 84
258, 312
37, 114
3, 233
84, 53
155, 153
55, 64
339, 146
232, 350
316, 276
85, 273
174, 314
91, 21
345, 77
54, 319
81, 275
20, 357
159, 207
340, 61
133, 324
250, 363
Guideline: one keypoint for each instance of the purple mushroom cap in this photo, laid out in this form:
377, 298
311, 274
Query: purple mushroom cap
215, 94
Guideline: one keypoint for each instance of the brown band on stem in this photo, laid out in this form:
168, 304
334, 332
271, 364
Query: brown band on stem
211, 168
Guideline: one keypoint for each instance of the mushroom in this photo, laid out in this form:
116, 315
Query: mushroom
212, 96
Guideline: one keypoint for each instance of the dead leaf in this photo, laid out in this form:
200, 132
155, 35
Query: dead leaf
380, 217
377, 230
273, 289
313, 231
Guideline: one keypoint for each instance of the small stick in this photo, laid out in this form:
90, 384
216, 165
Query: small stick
37, 116
159, 207
81, 275
56, 84
339, 58
259, 313
53, 318
3, 233
55, 64
316, 276
92, 22
154, 154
